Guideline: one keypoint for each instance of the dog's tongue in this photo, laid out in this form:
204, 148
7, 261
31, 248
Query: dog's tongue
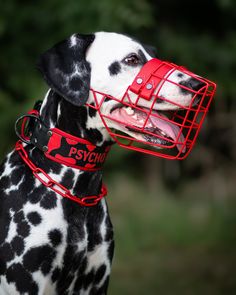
169, 129
136, 118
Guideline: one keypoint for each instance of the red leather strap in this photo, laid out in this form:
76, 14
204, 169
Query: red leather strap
60, 146
151, 74
74, 151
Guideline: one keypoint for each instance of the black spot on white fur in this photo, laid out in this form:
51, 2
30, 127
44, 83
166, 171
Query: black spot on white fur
34, 218
23, 229
3, 267
114, 68
92, 111
19, 217
55, 237
6, 252
100, 273
23, 280
39, 258
48, 201
17, 245
55, 274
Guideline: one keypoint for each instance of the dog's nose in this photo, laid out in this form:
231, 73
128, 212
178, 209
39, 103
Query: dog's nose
194, 84
191, 84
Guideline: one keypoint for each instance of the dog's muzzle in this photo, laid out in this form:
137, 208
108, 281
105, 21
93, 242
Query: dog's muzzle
160, 113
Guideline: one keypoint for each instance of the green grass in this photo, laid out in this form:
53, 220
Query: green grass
167, 245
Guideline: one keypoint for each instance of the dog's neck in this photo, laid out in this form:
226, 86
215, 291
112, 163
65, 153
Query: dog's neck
57, 112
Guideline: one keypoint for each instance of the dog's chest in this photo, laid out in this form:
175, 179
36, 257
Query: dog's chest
51, 245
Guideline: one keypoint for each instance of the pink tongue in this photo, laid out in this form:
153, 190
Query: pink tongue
169, 129
138, 120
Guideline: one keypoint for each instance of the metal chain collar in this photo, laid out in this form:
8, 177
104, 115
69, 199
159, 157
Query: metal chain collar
47, 181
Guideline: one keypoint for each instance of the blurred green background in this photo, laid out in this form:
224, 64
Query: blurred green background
175, 222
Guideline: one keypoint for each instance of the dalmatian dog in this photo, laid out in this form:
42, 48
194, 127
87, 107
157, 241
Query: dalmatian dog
50, 245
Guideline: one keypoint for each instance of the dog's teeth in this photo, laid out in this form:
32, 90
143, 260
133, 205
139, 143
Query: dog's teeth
163, 133
129, 111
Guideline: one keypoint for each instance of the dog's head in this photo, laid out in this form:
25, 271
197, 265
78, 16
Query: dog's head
97, 70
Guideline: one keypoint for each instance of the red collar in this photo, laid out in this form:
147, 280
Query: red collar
74, 151
60, 146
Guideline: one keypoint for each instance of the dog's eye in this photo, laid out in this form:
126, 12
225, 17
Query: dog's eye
132, 60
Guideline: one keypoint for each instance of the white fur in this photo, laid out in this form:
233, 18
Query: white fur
106, 49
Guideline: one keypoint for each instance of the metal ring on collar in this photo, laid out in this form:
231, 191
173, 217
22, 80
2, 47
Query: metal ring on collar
22, 136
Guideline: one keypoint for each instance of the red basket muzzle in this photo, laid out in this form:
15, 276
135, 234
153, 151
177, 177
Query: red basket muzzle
160, 113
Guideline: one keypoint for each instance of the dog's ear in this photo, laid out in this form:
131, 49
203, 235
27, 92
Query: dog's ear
66, 70
151, 50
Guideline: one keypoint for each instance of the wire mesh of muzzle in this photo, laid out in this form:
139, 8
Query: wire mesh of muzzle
181, 124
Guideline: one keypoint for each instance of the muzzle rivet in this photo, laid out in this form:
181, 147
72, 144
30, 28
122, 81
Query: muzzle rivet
45, 149
139, 81
49, 133
149, 86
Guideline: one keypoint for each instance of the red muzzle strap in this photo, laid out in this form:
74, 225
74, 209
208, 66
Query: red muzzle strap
146, 82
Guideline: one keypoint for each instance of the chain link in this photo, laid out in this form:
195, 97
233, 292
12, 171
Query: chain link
47, 181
